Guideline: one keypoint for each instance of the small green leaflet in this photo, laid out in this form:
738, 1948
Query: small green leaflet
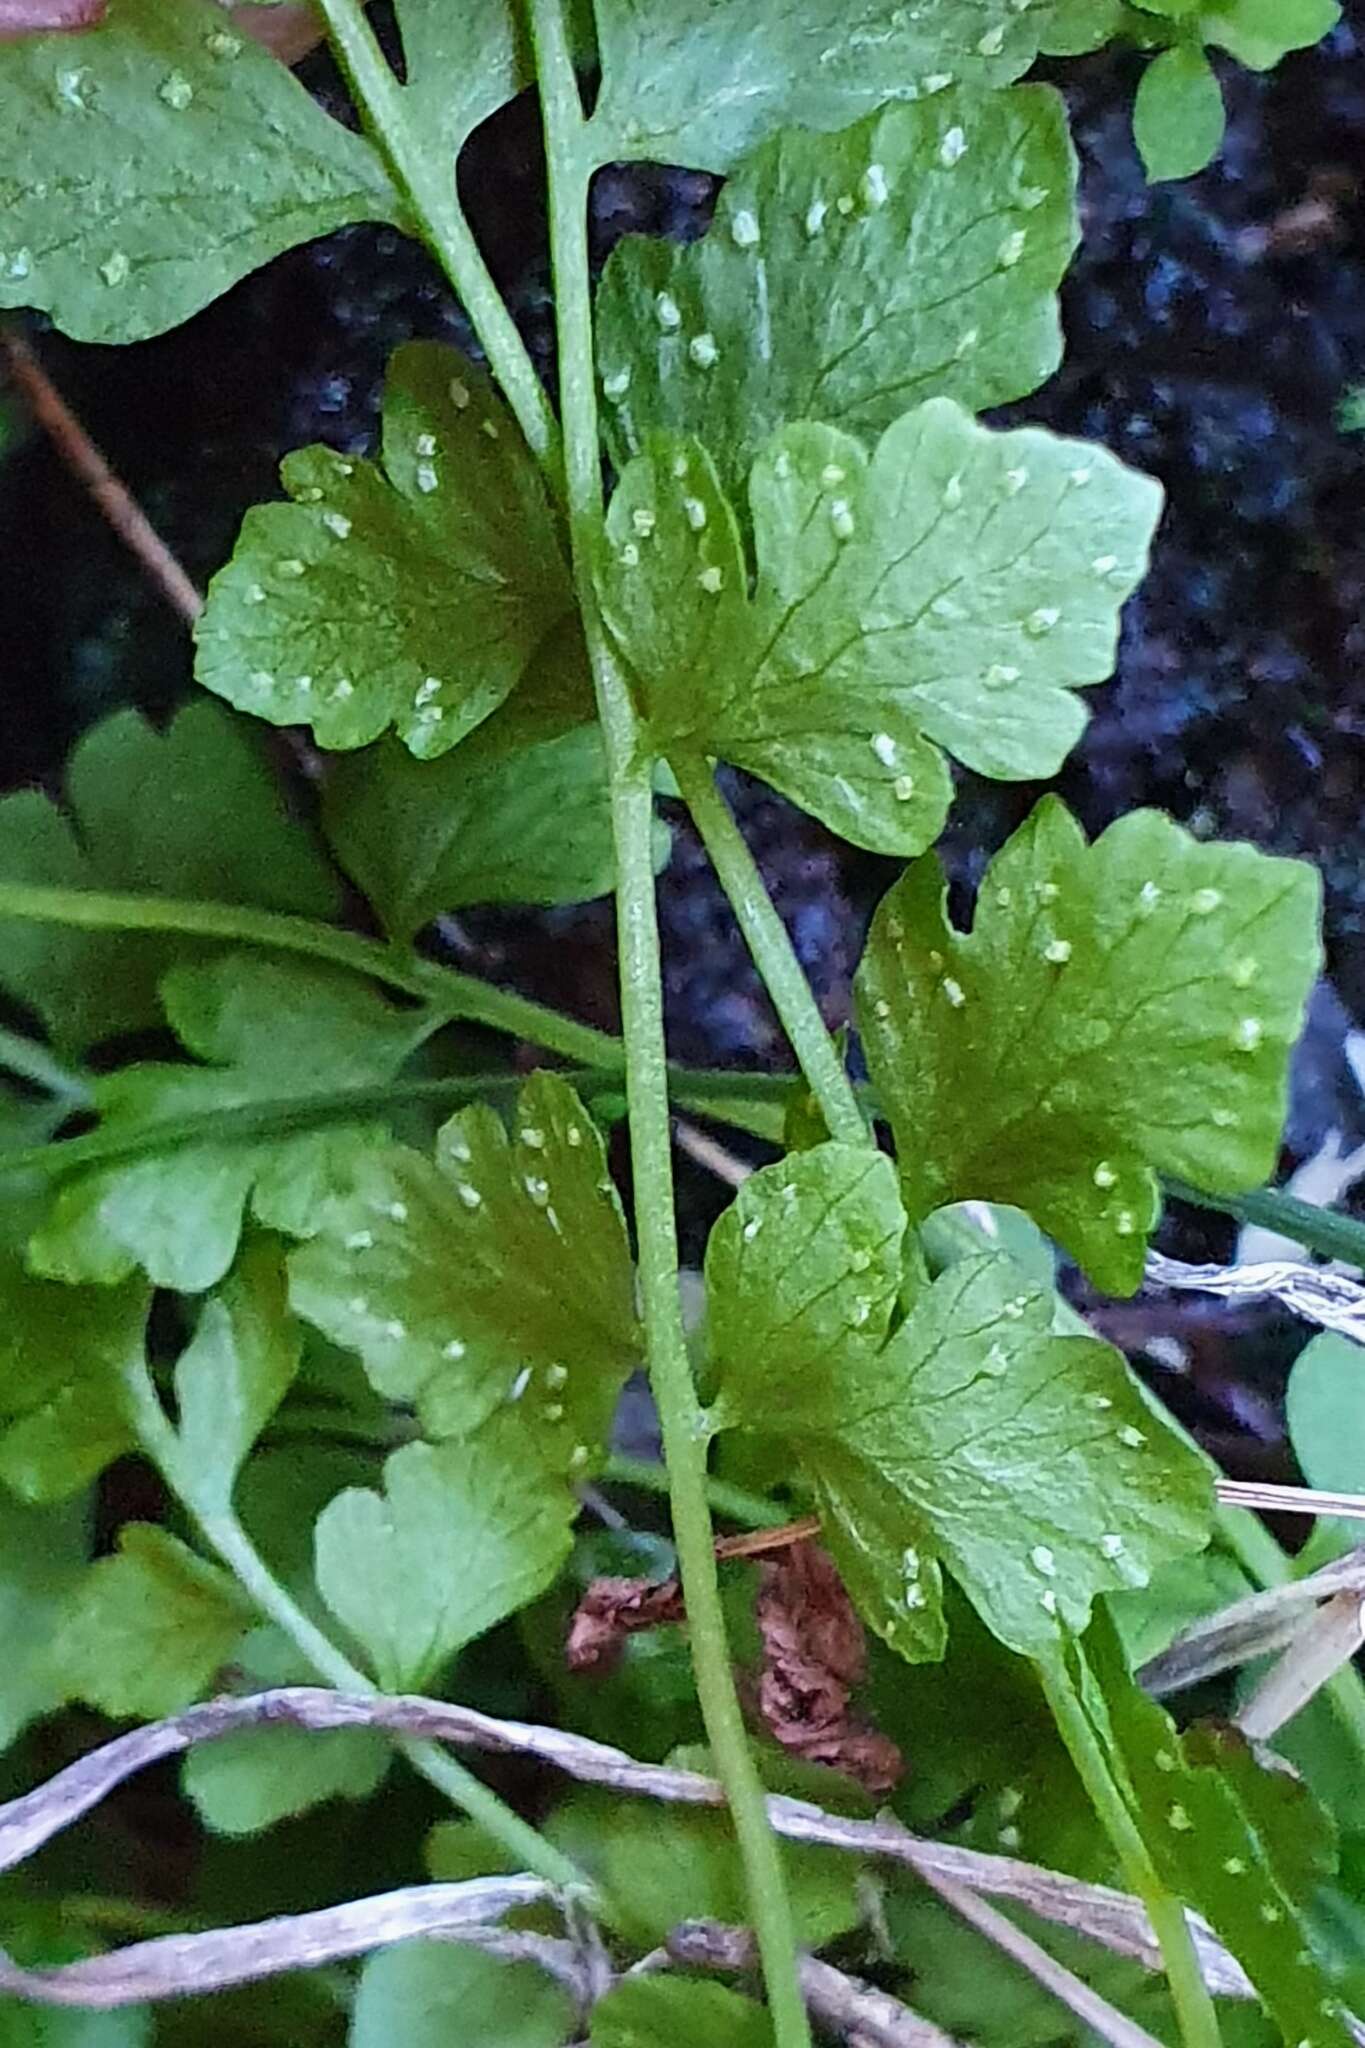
430, 1994
193, 811
700, 82
1260, 32
148, 1628
518, 814
944, 591
164, 155
845, 277
1178, 117
500, 1274
411, 595
231, 1377
1116, 1010
1243, 1843
1029, 1464
663, 2012
62, 1412
251, 1781
274, 1033
42, 1554
462, 64
1325, 1413
462, 1536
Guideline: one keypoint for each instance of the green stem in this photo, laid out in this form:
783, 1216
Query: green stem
1194, 2008
224, 1533
459, 995
630, 771
772, 951
1322, 1230
736, 1503
33, 1062
427, 176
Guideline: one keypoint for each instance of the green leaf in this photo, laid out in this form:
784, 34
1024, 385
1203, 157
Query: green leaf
232, 1376
1260, 32
1116, 1010
193, 811
251, 1781
43, 1552
944, 591
701, 83
660, 1865
148, 1628
1237, 1839
462, 64
1028, 1464
807, 1256
411, 595
164, 156
455, 1850
1325, 1414
662, 2012
62, 1412
518, 814
273, 1031
499, 1275
462, 1536
1178, 117
428, 1994
23, 2025
917, 255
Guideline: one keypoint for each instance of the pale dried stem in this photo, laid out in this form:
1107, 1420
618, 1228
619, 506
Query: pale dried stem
1110, 1917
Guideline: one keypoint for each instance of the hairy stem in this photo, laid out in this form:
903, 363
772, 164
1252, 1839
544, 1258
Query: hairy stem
632, 802
428, 180
1194, 2008
221, 1529
736, 1503
771, 949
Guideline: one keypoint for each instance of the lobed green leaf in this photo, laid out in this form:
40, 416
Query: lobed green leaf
463, 1534
428, 1993
662, 2012
270, 1030
1116, 1010
410, 595
160, 157
518, 814
232, 1376
1234, 1835
191, 812
63, 1417
944, 591
43, 1552
1178, 116
498, 1276
148, 1627
973, 1438
700, 83
916, 255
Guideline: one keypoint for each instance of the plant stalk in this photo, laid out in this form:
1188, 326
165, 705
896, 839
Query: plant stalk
771, 950
219, 1526
461, 996
1194, 2008
632, 803
428, 181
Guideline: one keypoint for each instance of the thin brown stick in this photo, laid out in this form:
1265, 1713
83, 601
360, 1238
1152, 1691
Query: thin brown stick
756, 1541
710, 1153
1290, 1500
85, 461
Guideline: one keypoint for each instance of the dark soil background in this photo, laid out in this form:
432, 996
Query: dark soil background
1212, 328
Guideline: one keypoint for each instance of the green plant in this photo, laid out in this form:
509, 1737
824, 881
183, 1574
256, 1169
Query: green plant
392, 1353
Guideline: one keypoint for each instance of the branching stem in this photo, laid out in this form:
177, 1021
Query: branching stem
632, 801
221, 1529
428, 181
